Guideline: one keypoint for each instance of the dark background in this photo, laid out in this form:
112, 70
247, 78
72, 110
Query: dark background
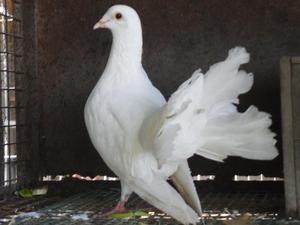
179, 37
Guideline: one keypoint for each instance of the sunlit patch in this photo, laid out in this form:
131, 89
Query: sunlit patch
55, 178
260, 177
67, 176
198, 177
203, 177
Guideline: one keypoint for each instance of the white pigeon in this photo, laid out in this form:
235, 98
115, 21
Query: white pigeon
145, 140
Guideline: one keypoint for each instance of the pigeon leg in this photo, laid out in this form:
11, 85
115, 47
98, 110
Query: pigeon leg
125, 194
119, 208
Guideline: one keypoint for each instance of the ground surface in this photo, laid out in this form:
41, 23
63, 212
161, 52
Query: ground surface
86, 208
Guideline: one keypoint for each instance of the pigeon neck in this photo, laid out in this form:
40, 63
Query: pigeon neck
126, 51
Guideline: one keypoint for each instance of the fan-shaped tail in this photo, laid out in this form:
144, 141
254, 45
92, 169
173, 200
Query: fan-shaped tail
201, 117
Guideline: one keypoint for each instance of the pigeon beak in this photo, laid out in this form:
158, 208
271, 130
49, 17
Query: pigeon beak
100, 24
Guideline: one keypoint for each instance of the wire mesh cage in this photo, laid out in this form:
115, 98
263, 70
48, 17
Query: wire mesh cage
43, 137
12, 88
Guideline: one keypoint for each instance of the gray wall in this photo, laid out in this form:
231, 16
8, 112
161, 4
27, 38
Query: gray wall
179, 37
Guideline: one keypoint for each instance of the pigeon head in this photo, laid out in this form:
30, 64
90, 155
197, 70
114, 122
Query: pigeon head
125, 25
119, 18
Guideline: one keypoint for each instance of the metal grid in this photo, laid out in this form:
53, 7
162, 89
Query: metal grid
11, 68
87, 208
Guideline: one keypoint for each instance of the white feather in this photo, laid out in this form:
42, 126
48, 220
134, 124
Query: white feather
201, 118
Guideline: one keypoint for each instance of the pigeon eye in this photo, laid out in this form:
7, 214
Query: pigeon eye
118, 16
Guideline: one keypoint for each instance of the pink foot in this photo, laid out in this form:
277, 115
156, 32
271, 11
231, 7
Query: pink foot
119, 208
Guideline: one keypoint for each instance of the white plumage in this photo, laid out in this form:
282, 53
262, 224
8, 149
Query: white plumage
144, 139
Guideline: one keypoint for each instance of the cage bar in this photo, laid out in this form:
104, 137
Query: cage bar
10, 69
290, 83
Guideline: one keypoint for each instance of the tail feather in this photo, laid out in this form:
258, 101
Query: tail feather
239, 134
224, 81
